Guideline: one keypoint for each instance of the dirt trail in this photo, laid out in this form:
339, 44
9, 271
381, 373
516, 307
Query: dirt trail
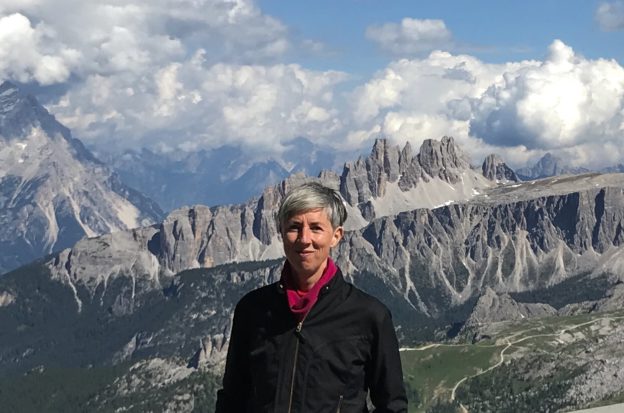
511, 343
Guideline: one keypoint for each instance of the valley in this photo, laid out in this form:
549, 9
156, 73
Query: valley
466, 375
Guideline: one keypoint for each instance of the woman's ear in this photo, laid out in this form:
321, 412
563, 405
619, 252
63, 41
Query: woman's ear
338, 233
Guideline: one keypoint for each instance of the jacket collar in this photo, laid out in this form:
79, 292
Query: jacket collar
336, 283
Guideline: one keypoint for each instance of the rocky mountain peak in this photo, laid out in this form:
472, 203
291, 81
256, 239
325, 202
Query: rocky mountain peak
407, 181
366, 178
53, 191
20, 112
549, 165
443, 159
495, 169
8, 89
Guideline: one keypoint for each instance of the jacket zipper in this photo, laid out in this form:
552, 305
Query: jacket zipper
339, 403
294, 369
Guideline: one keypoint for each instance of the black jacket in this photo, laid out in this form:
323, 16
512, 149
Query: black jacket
345, 347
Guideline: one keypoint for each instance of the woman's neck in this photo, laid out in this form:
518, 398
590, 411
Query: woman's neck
306, 282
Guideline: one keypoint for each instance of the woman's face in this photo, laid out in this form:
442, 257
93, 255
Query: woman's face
308, 238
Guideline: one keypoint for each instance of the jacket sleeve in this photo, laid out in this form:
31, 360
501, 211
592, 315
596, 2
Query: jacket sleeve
236, 379
385, 375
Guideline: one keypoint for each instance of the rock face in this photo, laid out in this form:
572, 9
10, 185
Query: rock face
492, 307
52, 190
612, 300
168, 290
443, 159
603, 365
387, 182
217, 177
495, 169
392, 180
549, 165
511, 240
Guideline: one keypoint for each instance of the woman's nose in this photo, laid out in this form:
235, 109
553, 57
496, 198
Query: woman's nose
304, 235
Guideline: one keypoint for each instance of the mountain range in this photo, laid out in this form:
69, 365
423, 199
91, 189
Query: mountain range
143, 313
551, 165
223, 175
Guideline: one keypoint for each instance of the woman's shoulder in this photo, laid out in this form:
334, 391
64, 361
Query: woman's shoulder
266, 293
368, 303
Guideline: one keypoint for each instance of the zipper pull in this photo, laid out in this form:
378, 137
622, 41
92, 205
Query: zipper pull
299, 333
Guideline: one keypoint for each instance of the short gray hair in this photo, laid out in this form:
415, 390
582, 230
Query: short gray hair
313, 195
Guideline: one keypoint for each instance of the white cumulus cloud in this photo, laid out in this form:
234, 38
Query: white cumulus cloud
188, 74
190, 105
30, 52
563, 102
410, 36
426, 98
136, 71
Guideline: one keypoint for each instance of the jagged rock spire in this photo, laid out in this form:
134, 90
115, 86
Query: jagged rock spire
442, 159
495, 169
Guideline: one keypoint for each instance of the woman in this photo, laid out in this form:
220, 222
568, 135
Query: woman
311, 342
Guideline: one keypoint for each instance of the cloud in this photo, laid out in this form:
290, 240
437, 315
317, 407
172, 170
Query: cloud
190, 105
410, 36
425, 98
118, 37
31, 53
610, 15
188, 74
125, 63
563, 102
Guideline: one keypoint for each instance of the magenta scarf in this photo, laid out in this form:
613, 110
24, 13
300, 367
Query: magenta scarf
300, 302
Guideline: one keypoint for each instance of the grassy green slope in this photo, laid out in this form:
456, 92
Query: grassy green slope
525, 366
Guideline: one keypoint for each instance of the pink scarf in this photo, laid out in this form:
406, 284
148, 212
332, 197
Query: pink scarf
300, 302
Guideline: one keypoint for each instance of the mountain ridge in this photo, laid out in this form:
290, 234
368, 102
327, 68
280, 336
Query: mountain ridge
53, 191
429, 235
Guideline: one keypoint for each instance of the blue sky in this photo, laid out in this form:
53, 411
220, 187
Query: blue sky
516, 78
495, 31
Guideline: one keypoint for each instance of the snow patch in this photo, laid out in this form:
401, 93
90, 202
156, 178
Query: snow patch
447, 203
10, 91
